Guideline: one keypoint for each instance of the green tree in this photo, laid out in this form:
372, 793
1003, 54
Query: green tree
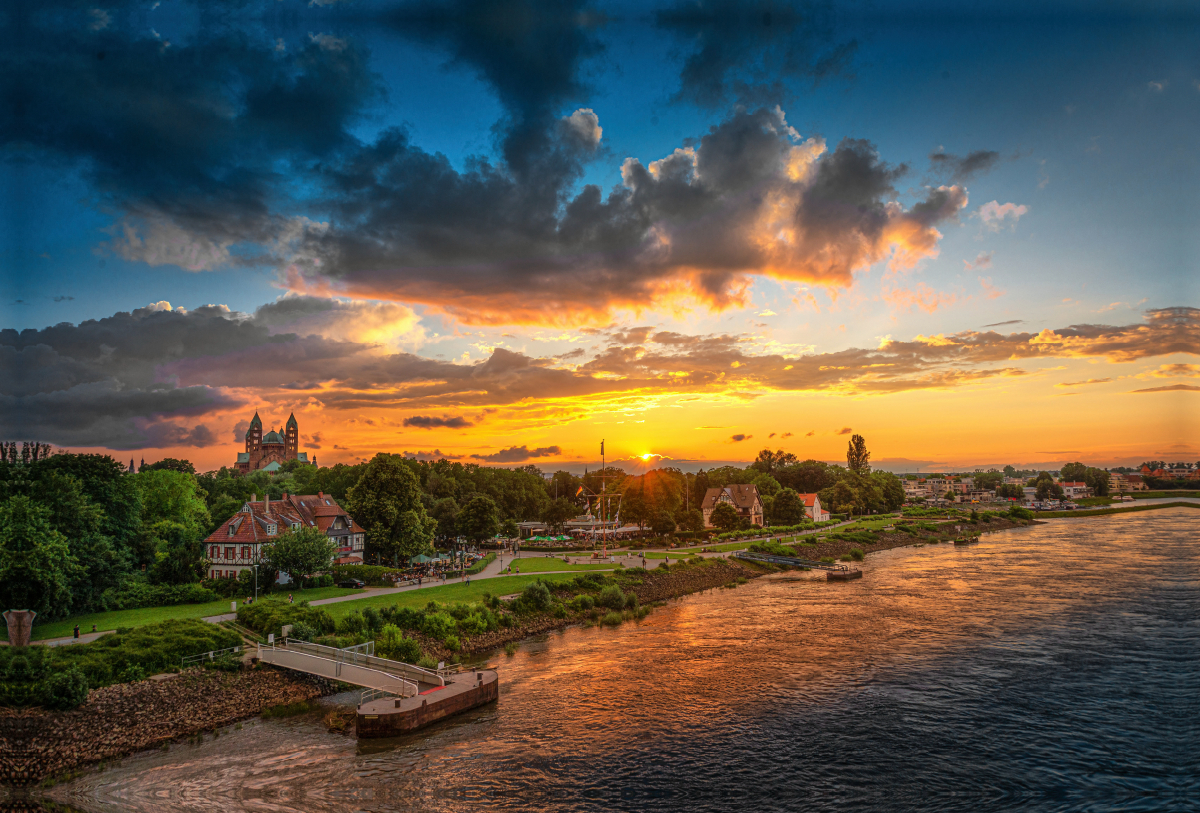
386, 502
767, 485
558, 512
662, 523
479, 520
1073, 472
1097, 479
691, 520
1047, 489
858, 459
170, 464
841, 498
808, 477
724, 516
299, 552
988, 480
509, 528
445, 513
1010, 491
787, 508
173, 496
179, 556
36, 565
769, 462
1010, 471
890, 488
634, 508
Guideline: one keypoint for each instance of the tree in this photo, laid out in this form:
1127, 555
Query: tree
841, 498
36, 565
891, 490
299, 552
769, 462
479, 520
808, 477
386, 502
766, 485
988, 480
558, 512
1073, 472
787, 508
692, 520
172, 464
509, 528
1047, 489
634, 508
445, 513
179, 555
662, 523
1097, 480
724, 516
1010, 491
858, 459
172, 496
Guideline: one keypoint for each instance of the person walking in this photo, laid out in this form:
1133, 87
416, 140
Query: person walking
290, 600
76, 631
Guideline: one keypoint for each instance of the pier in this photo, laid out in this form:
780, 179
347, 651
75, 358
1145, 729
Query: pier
833, 572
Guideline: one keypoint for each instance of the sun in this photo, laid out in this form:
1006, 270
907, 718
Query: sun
648, 455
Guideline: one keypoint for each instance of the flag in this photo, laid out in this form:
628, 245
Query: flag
580, 491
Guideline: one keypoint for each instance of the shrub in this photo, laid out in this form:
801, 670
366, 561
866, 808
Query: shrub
65, 690
452, 643
631, 601
611, 597
583, 602
372, 619
856, 554
479, 566
663, 565
303, 632
270, 615
1017, 512
510, 649
352, 624
135, 595
439, 625
612, 619
536, 596
427, 662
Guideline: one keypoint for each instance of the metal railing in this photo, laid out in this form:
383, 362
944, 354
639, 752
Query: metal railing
188, 660
367, 695
328, 664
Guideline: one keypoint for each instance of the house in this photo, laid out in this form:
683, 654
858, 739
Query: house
742, 496
812, 507
237, 544
1074, 491
1136, 482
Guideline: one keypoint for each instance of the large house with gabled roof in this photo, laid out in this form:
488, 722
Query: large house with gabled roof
237, 544
270, 451
742, 496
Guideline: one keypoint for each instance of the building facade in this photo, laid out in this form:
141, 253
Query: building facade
812, 507
271, 450
743, 497
237, 544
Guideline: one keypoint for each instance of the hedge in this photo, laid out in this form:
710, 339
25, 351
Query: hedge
481, 564
135, 595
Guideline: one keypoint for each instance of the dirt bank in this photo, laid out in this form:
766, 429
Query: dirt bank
119, 720
894, 539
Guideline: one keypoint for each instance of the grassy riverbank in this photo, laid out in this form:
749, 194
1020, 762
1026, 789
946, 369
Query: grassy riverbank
1103, 512
542, 564
122, 619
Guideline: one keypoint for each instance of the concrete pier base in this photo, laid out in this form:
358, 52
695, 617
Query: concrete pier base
393, 716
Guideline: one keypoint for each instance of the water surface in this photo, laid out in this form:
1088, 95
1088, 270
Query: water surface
1046, 668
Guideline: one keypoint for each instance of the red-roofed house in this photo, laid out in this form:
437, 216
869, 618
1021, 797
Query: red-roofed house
237, 544
1075, 490
812, 507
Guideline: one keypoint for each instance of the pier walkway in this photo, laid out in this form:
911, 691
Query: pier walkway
357, 668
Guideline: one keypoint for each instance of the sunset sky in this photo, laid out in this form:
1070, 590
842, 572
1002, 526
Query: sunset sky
500, 231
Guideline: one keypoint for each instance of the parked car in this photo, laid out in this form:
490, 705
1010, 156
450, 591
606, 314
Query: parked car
354, 583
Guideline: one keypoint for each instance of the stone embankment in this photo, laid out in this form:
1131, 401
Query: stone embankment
121, 719
894, 539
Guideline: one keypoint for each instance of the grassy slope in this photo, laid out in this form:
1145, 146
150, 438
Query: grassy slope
541, 564
151, 615
458, 591
1159, 495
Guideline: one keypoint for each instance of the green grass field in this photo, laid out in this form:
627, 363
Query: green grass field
1162, 495
540, 564
151, 615
458, 591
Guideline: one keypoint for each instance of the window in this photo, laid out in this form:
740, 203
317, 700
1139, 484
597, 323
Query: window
213, 552
245, 551
271, 529
232, 529
230, 552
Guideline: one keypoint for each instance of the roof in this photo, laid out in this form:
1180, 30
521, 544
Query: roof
272, 437
291, 421
744, 496
250, 523
256, 421
1074, 485
272, 466
243, 457
302, 457
809, 500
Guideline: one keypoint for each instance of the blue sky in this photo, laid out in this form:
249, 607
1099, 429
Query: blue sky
1090, 110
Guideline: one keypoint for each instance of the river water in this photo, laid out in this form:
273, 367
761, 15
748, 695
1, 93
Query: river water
1049, 668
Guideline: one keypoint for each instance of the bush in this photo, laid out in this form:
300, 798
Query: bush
536, 596
1017, 512
481, 564
427, 662
612, 619
303, 632
439, 625
352, 624
66, 689
135, 595
372, 619
452, 643
270, 615
583, 602
611, 597
510, 649
392, 644
856, 554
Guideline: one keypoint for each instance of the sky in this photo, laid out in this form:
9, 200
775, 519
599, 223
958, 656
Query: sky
500, 232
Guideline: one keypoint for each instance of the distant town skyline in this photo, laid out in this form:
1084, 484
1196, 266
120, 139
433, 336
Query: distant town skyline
499, 231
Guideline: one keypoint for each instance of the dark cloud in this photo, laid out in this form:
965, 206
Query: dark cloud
1009, 322
519, 454
744, 51
1173, 388
436, 454
64, 299
845, 430
810, 434
963, 168
431, 422
739, 438
785, 435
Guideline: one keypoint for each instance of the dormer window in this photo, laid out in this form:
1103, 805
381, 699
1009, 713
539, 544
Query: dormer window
295, 526
272, 529
232, 530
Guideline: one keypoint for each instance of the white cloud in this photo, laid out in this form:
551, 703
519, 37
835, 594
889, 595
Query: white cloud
100, 19
995, 214
586, 125
161, 242
982, 260
1157, 87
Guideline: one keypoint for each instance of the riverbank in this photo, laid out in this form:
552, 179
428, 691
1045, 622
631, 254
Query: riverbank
1101, 512
37, 745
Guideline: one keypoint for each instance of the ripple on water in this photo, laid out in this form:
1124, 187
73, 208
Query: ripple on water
1047, 668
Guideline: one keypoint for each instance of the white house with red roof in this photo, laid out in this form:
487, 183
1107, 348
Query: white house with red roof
1075, 490
812, 507
237, 544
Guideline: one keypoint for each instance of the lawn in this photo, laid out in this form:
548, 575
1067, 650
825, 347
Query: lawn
542, 564
448, 593
1159, 495
152, 615
1103, 512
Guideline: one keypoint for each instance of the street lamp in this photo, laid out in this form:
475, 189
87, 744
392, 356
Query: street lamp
256, 581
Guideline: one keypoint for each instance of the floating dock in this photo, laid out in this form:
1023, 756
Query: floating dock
833, 572
393, 716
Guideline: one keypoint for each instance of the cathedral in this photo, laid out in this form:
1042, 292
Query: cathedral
269, 451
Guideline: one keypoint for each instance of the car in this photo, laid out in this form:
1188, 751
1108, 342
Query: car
354, 583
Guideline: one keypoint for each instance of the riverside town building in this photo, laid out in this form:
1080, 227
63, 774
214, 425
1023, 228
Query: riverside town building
237, 544
270, 451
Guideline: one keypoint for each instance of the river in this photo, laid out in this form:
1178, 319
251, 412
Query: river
1047, 668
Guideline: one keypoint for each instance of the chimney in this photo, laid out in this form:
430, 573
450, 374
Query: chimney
321, 495
285, 496
266, 503
254, 497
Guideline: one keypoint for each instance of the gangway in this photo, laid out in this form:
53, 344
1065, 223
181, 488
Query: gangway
833, 572
350, 666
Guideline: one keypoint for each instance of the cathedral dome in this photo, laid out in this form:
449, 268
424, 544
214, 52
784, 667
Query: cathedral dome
272, 437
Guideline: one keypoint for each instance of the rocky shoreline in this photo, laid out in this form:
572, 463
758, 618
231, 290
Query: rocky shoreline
118, 720
838, 548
